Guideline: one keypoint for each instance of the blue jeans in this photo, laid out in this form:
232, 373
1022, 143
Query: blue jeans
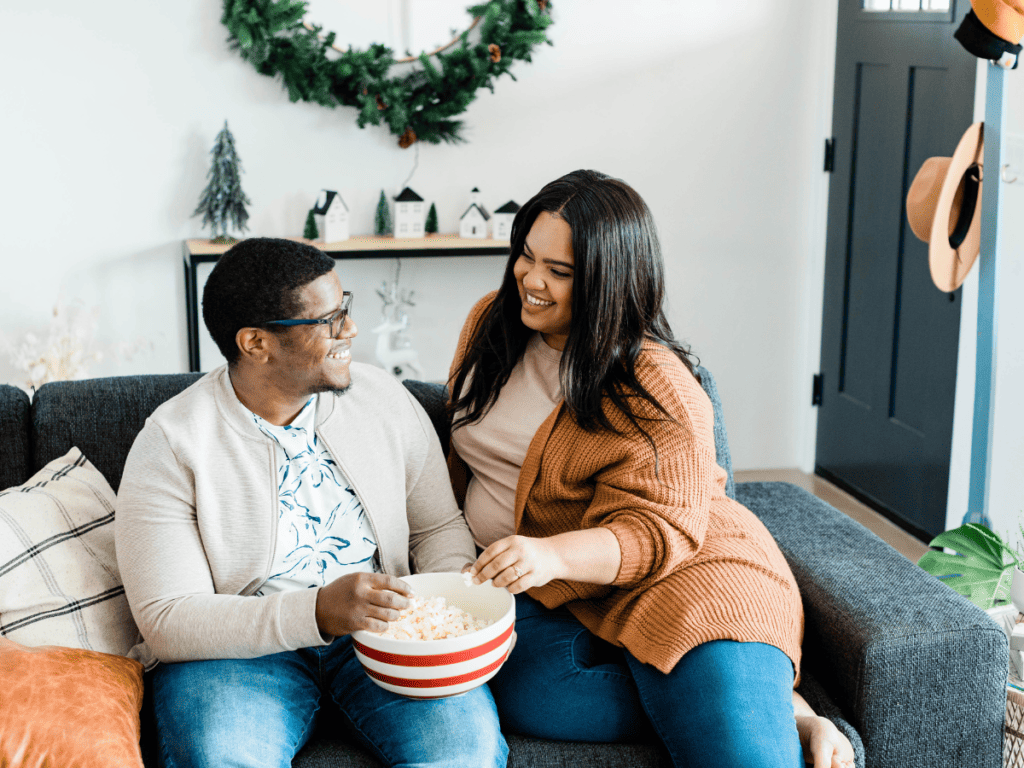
260, 712
724, 704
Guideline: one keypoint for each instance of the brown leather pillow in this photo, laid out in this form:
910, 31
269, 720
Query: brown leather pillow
68, 707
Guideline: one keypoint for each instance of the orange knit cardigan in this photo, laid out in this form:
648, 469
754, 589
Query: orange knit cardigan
696, 565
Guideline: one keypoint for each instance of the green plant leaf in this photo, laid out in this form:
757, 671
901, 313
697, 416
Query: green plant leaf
979, 571
964, 543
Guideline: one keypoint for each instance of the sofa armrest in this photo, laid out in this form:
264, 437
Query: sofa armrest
916, 668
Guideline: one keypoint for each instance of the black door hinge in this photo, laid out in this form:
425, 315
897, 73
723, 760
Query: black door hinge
816, 389
830, 155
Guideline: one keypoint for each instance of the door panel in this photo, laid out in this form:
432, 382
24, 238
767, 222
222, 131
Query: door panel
904, 92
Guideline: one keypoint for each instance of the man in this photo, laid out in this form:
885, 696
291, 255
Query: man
266, 512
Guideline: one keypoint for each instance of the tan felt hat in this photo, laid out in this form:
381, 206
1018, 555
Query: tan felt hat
944, 209
1003, 18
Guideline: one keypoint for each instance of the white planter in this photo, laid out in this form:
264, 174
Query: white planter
1017, 589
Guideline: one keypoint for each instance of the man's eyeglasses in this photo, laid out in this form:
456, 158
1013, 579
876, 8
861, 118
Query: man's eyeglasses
335, 322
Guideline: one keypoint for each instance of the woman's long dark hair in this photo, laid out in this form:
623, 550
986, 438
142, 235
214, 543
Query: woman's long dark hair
617, 294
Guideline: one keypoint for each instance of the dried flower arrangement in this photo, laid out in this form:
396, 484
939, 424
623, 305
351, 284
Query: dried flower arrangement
68, 349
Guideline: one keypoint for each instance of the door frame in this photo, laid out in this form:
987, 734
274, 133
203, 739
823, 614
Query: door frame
823, 58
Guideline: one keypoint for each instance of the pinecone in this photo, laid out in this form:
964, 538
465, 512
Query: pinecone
542, 4
407, 139
381, 104
495, 52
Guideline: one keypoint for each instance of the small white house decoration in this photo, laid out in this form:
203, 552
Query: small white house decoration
410, 214
503, 220
331, 215
474, 221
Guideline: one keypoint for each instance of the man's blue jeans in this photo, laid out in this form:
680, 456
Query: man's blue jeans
724, 704
260, 712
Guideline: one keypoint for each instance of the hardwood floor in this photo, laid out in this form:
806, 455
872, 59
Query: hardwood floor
907, 545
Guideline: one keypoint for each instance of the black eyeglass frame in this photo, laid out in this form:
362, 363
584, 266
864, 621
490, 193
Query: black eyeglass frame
338, 317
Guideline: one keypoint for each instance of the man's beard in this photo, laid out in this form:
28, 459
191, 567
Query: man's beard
327, 387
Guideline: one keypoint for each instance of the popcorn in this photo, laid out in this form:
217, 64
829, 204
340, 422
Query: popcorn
431, 618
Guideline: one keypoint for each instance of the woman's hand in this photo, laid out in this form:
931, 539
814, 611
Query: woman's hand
518, 563
824, 745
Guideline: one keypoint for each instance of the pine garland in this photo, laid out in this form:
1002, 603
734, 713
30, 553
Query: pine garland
420, 105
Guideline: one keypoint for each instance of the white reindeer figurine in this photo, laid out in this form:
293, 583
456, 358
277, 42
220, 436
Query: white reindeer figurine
401, 362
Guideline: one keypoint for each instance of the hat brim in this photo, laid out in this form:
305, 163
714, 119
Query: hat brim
948, 265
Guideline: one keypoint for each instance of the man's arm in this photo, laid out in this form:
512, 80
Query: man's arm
168, 579
439, 539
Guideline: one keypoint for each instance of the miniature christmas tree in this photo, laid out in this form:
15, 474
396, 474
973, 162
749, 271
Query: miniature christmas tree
223, 199
431, 226
310, 232
382, 220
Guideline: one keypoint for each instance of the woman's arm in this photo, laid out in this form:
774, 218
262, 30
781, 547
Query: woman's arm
521, 562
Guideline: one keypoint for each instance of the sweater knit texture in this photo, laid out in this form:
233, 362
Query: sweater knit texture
696, 565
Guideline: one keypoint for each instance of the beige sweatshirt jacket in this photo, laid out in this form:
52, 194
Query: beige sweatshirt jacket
196, 518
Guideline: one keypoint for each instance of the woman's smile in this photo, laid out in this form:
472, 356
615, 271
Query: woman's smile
533, 301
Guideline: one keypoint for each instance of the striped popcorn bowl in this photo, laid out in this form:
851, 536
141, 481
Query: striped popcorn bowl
435, 669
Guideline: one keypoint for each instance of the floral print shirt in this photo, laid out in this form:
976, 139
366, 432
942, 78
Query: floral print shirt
323, 531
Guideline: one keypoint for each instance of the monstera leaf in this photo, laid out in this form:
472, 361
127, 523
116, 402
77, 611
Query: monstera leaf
982, 568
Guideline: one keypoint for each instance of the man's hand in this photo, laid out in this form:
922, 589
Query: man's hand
360, 601
518, 563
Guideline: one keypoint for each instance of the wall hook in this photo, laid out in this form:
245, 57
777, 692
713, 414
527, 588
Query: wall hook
1005, 176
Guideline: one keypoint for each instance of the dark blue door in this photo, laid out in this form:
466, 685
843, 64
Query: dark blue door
904, 91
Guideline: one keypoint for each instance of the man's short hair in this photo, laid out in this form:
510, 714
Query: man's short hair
256, 281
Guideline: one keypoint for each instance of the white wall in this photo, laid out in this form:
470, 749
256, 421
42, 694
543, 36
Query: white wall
1006, 484
714, 112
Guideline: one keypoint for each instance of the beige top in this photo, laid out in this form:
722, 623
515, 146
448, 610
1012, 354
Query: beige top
496, 445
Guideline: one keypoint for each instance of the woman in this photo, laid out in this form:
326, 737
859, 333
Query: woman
583, 455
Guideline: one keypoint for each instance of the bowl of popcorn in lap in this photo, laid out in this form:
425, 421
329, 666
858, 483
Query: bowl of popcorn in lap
453, 637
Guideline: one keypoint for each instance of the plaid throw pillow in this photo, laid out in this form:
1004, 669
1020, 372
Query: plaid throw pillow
59, 583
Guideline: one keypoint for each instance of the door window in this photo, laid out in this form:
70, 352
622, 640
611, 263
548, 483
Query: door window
905, 5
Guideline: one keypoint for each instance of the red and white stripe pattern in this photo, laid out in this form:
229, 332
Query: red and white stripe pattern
435, 669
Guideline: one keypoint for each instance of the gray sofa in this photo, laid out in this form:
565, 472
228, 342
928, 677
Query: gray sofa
913, 673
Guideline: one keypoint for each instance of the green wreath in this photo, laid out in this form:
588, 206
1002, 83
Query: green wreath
418, 106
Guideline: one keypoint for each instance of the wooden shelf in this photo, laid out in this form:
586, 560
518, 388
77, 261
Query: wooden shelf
363, 243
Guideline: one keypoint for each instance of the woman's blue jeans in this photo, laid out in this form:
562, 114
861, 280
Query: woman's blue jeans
724, 704
260, 712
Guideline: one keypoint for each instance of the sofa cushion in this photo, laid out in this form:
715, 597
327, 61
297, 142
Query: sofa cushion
722, 454
103, 416
68, 707
59, 582
100, 416
14, 428
328, 749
